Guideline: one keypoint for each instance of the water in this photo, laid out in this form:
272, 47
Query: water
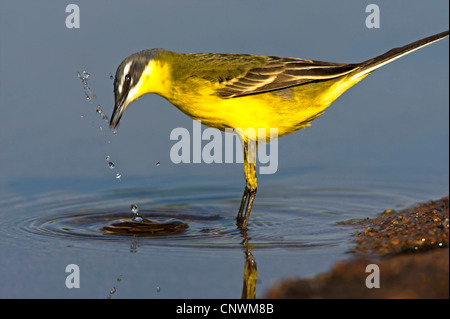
292, 231
134, 209
136, 215
61, 203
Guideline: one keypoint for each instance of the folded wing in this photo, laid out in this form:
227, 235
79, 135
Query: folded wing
280, 73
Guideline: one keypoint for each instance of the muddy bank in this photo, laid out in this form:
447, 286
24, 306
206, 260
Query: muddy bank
410, 248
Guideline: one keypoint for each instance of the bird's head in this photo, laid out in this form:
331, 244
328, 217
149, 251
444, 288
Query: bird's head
133, 79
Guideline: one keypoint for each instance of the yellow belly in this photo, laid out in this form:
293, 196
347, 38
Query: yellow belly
287, 110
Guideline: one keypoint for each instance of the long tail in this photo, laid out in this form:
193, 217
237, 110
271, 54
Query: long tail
372, 64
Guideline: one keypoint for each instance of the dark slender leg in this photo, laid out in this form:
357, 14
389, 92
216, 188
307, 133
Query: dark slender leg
250, 188
242, 220
243, 202
249, 208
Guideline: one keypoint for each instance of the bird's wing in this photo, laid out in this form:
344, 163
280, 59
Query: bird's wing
280, 73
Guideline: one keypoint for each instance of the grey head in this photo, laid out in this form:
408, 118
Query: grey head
127, 76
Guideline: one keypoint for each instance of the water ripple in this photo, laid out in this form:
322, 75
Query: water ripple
197, 217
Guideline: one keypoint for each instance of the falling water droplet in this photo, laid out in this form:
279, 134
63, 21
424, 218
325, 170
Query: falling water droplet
85, 74
158, 289
158, 164
108, 158
113, 290
111, 165
83, 80
101, 113
111, 77
135, 210
118, 176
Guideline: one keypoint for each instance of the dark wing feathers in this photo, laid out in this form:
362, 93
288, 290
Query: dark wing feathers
280, 73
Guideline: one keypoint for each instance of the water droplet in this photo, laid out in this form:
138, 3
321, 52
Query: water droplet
113, 290
83, 78
85, 74
158, 289
111, 77
118, 176
134, 209
158, 164
119, 279
99, 110
137, 218
111, 165
115, 131
108, 157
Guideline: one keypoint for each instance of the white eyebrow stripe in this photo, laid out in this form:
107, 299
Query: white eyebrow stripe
127, 68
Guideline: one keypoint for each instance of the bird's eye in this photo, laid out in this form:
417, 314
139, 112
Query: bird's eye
127, 78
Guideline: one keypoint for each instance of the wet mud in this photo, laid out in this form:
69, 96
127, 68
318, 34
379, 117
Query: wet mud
409, 248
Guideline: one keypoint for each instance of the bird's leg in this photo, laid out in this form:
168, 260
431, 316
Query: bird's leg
242, 207
251, 184
251, 198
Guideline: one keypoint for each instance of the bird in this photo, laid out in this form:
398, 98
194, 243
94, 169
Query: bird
226, 90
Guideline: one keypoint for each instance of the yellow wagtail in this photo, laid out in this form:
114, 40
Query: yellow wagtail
244, 91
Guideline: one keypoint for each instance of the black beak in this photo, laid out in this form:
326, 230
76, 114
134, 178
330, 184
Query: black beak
119, 108
116, 115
